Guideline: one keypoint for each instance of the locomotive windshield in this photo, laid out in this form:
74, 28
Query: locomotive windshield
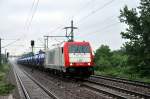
79, 49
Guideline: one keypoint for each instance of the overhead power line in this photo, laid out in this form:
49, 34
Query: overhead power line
57, 28
32, 11
86, 5
11, 43
60, 27
8, 39
32, 16
28, 17
104, 28
96, 10
34, 8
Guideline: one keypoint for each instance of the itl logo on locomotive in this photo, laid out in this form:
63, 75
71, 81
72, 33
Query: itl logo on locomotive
79, 57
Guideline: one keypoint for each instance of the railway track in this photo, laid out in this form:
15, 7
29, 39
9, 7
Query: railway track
69, 88
30, 87
121, 80
103, 90
26, 95
95, 86
115, 91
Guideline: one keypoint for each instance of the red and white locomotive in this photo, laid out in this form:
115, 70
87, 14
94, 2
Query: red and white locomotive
73, 58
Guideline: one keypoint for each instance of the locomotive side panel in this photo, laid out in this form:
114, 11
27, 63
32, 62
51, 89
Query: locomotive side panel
54, 59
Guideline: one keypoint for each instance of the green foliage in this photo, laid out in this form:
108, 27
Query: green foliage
138, 35
5, 87
123, 72
119, 59
104, 58
114, 63
102, 53
113, 71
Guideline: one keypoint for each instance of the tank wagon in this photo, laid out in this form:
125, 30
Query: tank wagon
73, 58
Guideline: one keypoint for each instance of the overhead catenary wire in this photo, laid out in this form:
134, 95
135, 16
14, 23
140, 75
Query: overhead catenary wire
96, 10
31, 9
33, 13
87, 4
57, 28
34, 8
60, 27
30, 15
104, 28
11, 43
35, 5
107, 19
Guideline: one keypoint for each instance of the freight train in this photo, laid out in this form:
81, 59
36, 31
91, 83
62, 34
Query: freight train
69, 58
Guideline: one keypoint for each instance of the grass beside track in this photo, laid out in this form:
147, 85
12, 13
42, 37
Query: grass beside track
5, 86
121, 72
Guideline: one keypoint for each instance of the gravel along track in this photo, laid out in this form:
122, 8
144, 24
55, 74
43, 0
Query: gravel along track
64, 88
31, 88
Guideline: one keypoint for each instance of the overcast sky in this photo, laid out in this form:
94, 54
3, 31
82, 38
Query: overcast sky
24, 20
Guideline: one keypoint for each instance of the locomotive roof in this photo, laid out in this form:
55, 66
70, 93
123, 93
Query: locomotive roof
62, 44
75, 42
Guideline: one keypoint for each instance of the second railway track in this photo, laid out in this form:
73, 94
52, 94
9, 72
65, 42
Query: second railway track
121, 80
114, 92
118, 88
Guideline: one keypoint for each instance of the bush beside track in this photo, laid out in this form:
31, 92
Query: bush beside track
114, 64
5, 86
121, 72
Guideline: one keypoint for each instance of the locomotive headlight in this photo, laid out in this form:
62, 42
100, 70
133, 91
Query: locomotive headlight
71, 64
89, 64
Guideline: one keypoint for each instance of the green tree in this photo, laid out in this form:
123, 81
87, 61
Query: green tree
102, 56
138, 37
119, 58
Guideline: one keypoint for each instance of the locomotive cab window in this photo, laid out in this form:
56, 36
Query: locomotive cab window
79, 49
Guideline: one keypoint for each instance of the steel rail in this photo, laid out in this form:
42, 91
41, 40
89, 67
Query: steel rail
121, 80
22, 86
142, 95
41, 86
103, 91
